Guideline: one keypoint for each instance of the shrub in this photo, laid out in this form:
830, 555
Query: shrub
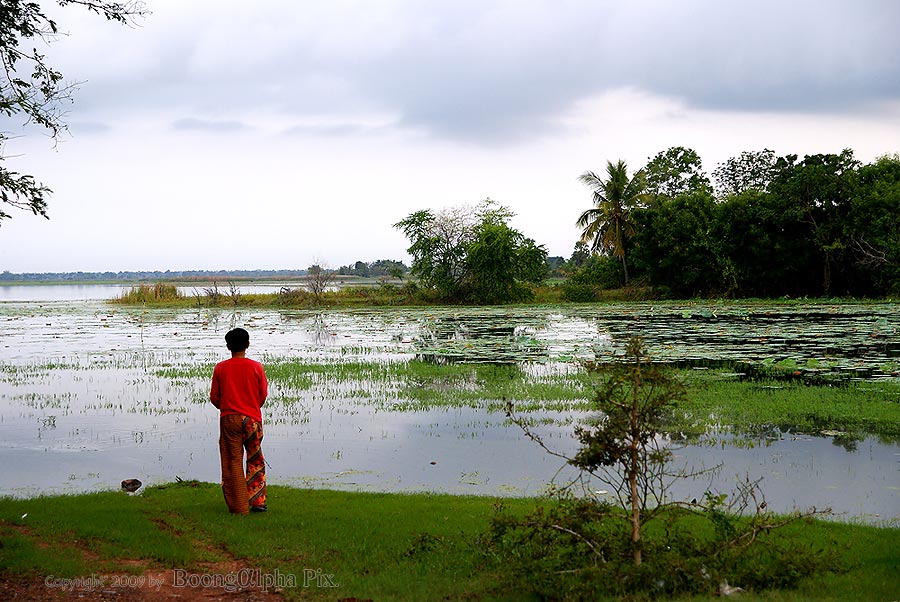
146, 293
646, 543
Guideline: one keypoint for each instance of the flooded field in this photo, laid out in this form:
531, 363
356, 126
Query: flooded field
378, 399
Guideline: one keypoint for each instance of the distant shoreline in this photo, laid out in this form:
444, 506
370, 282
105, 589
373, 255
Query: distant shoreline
179, 280
146, 276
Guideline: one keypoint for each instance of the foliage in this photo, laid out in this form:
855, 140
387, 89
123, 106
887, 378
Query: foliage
471, 254
821, 226
751, 170
498, 261
820, 188
597, 273
438, 246
34, 90
375, 269
676, 171
645, 542
578, 549
154, 293
873, 230
607, 226
293, 297
674, 245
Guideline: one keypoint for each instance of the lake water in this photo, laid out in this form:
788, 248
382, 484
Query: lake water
85, 401
101, 292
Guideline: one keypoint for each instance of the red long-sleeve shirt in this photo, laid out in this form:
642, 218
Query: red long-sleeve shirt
239, 386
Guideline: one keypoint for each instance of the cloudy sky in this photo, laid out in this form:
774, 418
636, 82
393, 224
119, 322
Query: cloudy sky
225, 134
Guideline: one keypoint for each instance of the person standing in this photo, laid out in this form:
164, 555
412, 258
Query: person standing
239, 390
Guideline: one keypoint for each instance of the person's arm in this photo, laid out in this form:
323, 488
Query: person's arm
215, 393
263, 386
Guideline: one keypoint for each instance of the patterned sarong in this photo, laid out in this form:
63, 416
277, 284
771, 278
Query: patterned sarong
237, 434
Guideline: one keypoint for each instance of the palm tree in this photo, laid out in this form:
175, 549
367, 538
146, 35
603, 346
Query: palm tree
607, 226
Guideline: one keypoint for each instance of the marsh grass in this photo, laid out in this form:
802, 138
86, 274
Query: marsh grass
716, 401
376, 546
149, 293
855, 408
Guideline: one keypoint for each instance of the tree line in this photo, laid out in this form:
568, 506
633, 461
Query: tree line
762, 226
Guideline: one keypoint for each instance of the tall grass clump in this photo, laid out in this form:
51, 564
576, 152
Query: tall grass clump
150, 293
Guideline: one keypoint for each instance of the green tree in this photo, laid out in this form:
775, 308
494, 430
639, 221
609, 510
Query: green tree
33, 90
674, 246
471, 254
762, 246
361, 268
872, 228
677, 170
821, 188
580, 255
607, 226
438, 246
499, 261
587, 548
752, 170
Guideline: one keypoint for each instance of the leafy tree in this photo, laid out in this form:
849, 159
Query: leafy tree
589, 548
556, 266
762, 246
597, 273
674, 246
472, 254
607, 226
821, 188
33, 90
633, 404
676, 171
580, 255
872, 227
499, 260
439, 242
779, 226
361, 268
752, 170
387, 267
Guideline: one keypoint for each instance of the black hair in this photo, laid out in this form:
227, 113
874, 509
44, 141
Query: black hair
237, 339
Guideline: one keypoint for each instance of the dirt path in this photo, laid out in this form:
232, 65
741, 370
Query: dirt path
231, 579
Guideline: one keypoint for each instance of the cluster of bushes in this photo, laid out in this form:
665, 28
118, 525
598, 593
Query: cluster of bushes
581, 549
826, 225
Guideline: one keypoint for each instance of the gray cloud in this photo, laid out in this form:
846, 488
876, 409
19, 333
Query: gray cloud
191, 123
491, 73
332, 131
89, 127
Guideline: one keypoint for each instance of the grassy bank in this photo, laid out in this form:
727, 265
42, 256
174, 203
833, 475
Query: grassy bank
396, 293
348, 295
371, 546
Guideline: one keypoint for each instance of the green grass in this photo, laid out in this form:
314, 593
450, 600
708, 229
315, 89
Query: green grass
855, 408
379, 295
715, 399
377, 546
149, 293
